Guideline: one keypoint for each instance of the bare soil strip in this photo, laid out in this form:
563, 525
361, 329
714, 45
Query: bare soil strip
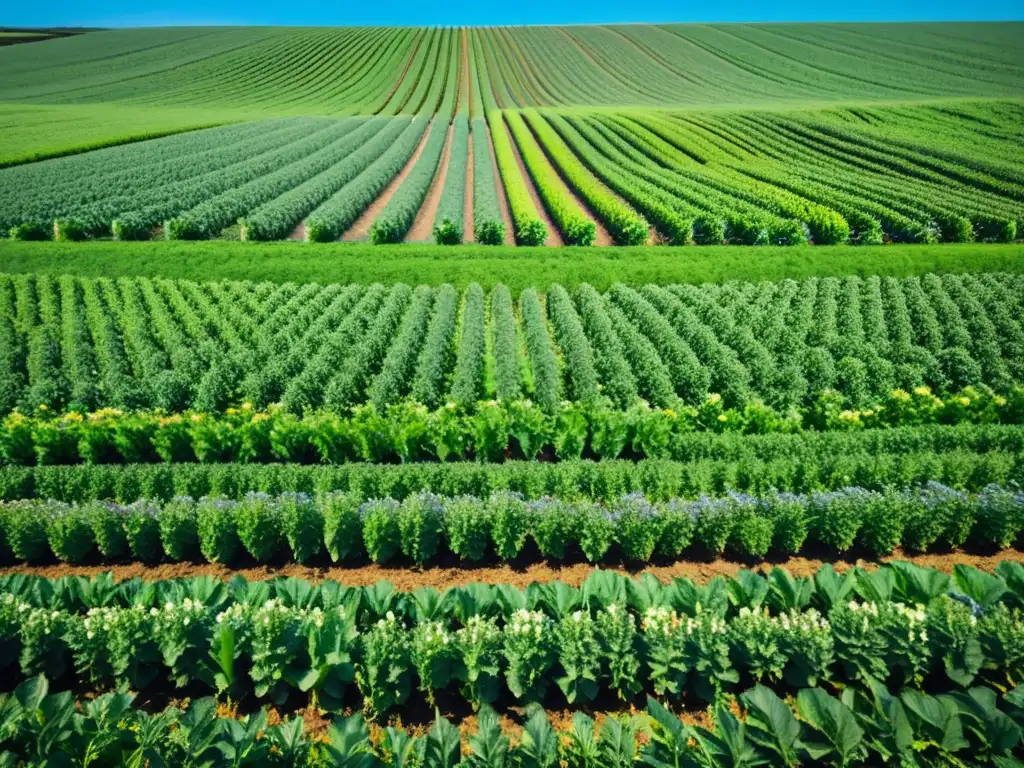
407, 577
299, 233
506, 215
468, 235
360, 230
554, 237
423, 226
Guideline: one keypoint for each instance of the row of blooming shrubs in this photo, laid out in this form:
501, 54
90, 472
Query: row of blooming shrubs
902, 625
863, 727
423, 526
494, 432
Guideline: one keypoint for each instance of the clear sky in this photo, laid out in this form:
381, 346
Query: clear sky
121, 13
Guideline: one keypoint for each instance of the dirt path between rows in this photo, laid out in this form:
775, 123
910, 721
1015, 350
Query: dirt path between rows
506, 213
601, 235
299, 233
422, 230
360, 230
408, 577
554, 237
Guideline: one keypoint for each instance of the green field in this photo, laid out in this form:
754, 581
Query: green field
515, 267
747, 134
672, 374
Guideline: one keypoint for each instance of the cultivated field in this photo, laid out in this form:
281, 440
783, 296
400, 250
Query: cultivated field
405, 397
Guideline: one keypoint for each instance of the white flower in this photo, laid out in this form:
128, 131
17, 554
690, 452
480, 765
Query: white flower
390, 615
168, 606
578, 616
153, 612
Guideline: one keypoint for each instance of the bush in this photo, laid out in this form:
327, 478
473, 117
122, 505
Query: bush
107, 521
468, 525
70, 534
26, 532
381, 535
218, 534
343, 533
303, 522
421, 526
142, 530
179, 529
258, 522
639, 527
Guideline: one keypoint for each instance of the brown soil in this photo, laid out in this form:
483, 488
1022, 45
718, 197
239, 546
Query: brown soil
299, 233
317, 722
405, 71
554, 237
360, 230
601, 235
408, 578
506, 215
423, 226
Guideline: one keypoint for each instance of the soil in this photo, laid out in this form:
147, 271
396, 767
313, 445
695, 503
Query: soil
506, 215
408, 577
468, 233
554, 237
317, 722
360, 230
422, 229
601, 235
299, 233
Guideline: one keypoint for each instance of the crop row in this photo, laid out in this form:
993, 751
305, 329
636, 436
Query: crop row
751, 178
838, 347
494, 432
300, 527
815, 726
903, 626
960, 466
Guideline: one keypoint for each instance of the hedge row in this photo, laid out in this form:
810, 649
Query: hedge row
408, 431
423, 526
963, 468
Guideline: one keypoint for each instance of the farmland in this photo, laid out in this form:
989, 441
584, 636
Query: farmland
583, 396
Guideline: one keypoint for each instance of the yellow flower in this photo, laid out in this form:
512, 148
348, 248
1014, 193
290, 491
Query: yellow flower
669, 412
42, 407
246, 406
965, 401
197, 417
722, 417
922, 391
231, 411
714, 399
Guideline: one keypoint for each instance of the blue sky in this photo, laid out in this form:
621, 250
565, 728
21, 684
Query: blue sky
486, 12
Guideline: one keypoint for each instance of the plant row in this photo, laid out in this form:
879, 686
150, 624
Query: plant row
409, 432
487, 644
424, 526
392, 224
855, 729
658, 479
834, 349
